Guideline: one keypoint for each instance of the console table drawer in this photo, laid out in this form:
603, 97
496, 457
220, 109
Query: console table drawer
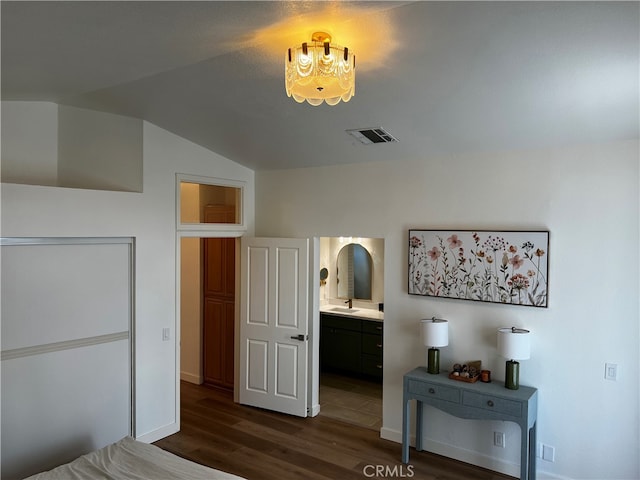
496, 404
435, 391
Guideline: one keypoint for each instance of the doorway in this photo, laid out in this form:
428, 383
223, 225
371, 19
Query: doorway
191, 345
211, 211
352, 331
207, 311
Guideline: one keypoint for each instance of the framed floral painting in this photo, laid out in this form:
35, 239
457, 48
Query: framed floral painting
485, 266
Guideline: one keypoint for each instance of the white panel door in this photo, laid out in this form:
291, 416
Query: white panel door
274, 324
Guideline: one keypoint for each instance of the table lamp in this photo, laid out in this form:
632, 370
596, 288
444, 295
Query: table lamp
435, 333
514, 344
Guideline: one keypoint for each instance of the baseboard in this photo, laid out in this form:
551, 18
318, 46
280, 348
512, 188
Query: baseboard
468, 456
159, 434
395, 436
550, 476
191, 378
315, 410
472, 457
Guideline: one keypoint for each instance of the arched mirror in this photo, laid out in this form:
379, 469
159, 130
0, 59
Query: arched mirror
354, 272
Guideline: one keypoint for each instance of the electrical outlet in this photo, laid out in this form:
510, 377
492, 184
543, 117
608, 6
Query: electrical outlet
498, 439
548, 453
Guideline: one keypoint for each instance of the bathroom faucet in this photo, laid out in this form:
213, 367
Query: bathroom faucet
350, 302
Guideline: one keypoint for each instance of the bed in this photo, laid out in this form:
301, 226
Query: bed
129, 459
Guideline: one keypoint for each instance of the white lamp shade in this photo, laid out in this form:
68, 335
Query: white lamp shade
435, 332
514, 343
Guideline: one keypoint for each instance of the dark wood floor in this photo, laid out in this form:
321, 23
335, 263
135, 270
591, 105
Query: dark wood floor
263, 445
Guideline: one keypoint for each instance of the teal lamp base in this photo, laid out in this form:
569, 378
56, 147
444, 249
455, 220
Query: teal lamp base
512, 375
433, 361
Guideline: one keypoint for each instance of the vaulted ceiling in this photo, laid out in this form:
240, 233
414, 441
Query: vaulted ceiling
442, 77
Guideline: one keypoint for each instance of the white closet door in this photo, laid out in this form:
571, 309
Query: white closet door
66, 349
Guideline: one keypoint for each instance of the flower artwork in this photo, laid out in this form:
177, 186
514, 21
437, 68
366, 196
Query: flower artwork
486, 266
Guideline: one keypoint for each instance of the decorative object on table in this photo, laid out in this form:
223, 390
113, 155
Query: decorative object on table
435, 333
514, 344
466, 372
485, 266
485, 376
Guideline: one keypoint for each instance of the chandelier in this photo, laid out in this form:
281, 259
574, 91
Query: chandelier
320, 72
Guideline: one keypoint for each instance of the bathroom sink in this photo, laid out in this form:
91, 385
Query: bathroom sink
343, 310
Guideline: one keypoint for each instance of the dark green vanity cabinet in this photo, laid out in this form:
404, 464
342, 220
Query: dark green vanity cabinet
340, 345
351, 345
372, 348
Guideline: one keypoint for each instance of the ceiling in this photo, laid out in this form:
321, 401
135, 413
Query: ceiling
442, 77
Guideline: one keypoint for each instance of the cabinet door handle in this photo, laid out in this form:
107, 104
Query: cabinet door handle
379, 345
490, 403
378, 328
432, 390
378, 366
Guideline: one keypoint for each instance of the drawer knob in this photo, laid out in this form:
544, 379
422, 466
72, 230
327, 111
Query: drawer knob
490, 403
432, 390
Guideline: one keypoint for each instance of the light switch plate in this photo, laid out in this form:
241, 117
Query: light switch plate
611, 371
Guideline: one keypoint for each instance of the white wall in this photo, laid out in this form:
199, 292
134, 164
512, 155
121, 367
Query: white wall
48, 144
149, 217
99, 150
587, 197
191, 311
30, 142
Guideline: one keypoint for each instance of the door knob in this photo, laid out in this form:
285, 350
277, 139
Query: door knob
300, 337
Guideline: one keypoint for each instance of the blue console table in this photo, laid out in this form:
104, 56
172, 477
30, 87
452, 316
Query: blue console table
479, 401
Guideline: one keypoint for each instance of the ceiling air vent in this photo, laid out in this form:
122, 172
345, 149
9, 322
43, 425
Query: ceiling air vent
372, 135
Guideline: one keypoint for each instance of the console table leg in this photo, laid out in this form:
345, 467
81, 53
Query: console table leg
419, 418
532, 452
405, 431
524, 452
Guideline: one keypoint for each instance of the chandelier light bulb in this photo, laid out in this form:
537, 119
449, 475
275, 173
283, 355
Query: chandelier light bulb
319, 71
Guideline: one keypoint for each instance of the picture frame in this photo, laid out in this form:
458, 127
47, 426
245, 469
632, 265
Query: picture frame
507, 267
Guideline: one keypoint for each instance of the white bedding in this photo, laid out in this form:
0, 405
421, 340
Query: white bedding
129, 459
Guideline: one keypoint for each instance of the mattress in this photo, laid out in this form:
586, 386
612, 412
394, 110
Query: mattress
129, 459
